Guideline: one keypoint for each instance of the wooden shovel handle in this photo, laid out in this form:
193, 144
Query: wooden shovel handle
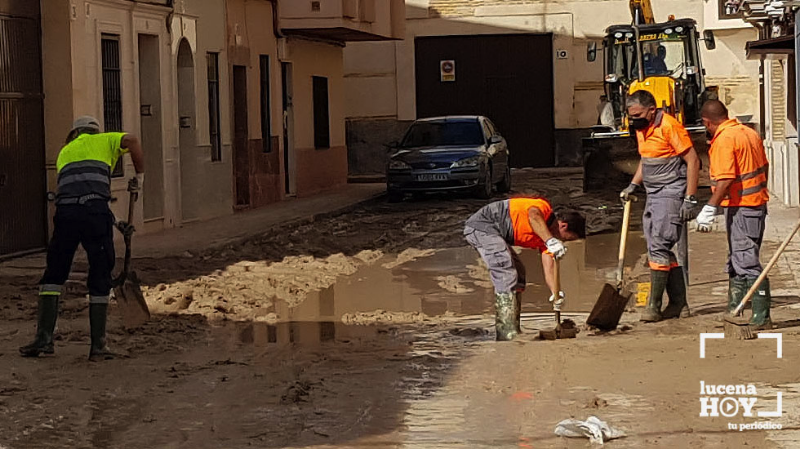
556, 279
557, 288
623, 240
767, 269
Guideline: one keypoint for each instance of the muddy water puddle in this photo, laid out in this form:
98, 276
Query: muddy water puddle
454, 283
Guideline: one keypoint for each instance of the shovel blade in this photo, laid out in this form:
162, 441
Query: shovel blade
608, 309
132, 304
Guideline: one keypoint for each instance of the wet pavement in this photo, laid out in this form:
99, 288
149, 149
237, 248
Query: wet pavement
374, 329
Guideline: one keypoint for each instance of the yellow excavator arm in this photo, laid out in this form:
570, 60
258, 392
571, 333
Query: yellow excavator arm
642, 12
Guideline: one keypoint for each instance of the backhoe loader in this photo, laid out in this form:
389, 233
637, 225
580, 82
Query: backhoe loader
662, 58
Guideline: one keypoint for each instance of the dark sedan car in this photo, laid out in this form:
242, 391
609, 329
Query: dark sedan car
450, 154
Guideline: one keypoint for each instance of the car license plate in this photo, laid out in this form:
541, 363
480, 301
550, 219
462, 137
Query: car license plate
432, 177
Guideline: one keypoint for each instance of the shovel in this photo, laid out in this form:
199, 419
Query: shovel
611, 304
566, 329
127, 290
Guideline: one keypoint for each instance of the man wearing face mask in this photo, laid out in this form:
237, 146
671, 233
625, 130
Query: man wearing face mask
738, 169
668, 170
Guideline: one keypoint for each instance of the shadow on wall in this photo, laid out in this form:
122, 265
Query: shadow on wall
367, 138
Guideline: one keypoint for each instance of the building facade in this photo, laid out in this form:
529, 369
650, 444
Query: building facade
775, 51
238, 103
529, 57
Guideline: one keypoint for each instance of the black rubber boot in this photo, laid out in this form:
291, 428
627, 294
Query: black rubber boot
46, 325
761, 301
518, 311
98, 314
505, 323
676, 291
737, 289
658, 283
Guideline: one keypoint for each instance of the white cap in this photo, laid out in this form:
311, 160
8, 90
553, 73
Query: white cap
86, 121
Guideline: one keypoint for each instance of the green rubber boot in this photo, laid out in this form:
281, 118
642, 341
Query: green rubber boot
46, 325
518, 311
98, 315
676, 291
761, 301
505, 322
737, 289
658, 283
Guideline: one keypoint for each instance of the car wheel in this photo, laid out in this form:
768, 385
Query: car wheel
504, 186
485, 188
394, 197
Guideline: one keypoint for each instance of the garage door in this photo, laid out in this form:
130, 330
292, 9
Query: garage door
508, 78
22, 161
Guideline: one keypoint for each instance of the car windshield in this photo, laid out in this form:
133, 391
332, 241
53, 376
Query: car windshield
434, 134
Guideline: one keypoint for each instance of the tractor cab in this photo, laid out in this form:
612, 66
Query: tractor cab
663, 59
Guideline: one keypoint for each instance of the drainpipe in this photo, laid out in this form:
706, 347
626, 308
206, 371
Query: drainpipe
762, 127
276, 21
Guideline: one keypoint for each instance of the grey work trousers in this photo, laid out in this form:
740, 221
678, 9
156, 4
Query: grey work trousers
662, 228
745, 227
505, 268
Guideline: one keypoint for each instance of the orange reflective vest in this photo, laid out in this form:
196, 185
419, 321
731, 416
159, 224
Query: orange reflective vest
662, 147
519, 209
737, 153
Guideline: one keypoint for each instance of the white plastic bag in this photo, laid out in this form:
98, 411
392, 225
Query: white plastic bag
597, 431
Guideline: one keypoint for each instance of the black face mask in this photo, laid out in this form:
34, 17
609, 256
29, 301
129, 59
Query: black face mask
639, 123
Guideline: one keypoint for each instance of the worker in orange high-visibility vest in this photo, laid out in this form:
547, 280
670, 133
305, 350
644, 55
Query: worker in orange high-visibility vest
528, 223
669, 169
738, 169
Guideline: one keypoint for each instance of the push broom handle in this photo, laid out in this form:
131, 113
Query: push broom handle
766, 270
623, 240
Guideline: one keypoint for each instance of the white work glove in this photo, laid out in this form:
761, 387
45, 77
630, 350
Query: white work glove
556, 248
705, 219
557, 304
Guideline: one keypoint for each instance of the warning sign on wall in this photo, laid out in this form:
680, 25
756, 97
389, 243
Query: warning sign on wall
448, 70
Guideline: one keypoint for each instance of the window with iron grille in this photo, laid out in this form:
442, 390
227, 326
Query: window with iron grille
212, 60
322, 128
266, 116
730, 9
112, 90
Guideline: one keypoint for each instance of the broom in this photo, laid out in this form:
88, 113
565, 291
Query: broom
735, 324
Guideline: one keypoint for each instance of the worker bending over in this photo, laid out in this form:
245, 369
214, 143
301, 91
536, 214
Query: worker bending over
528, 223
668, 169
738, 169
83, 217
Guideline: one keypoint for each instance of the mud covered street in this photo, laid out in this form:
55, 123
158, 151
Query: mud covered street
374, 329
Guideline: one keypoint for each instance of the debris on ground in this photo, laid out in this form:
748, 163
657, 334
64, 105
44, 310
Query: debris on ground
593, 428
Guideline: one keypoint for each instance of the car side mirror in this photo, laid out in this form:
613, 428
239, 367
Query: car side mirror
495, 139
391, 146
591, 51
710, 41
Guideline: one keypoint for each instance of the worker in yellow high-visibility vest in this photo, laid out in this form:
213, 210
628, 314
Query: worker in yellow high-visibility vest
83, 217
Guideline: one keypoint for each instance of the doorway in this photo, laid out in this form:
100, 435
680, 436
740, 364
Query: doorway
288, 129
508, 78
190, 173
151, 126
22, 153
241, 155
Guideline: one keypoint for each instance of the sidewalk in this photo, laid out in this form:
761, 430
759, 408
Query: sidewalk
223, 231
780, 222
